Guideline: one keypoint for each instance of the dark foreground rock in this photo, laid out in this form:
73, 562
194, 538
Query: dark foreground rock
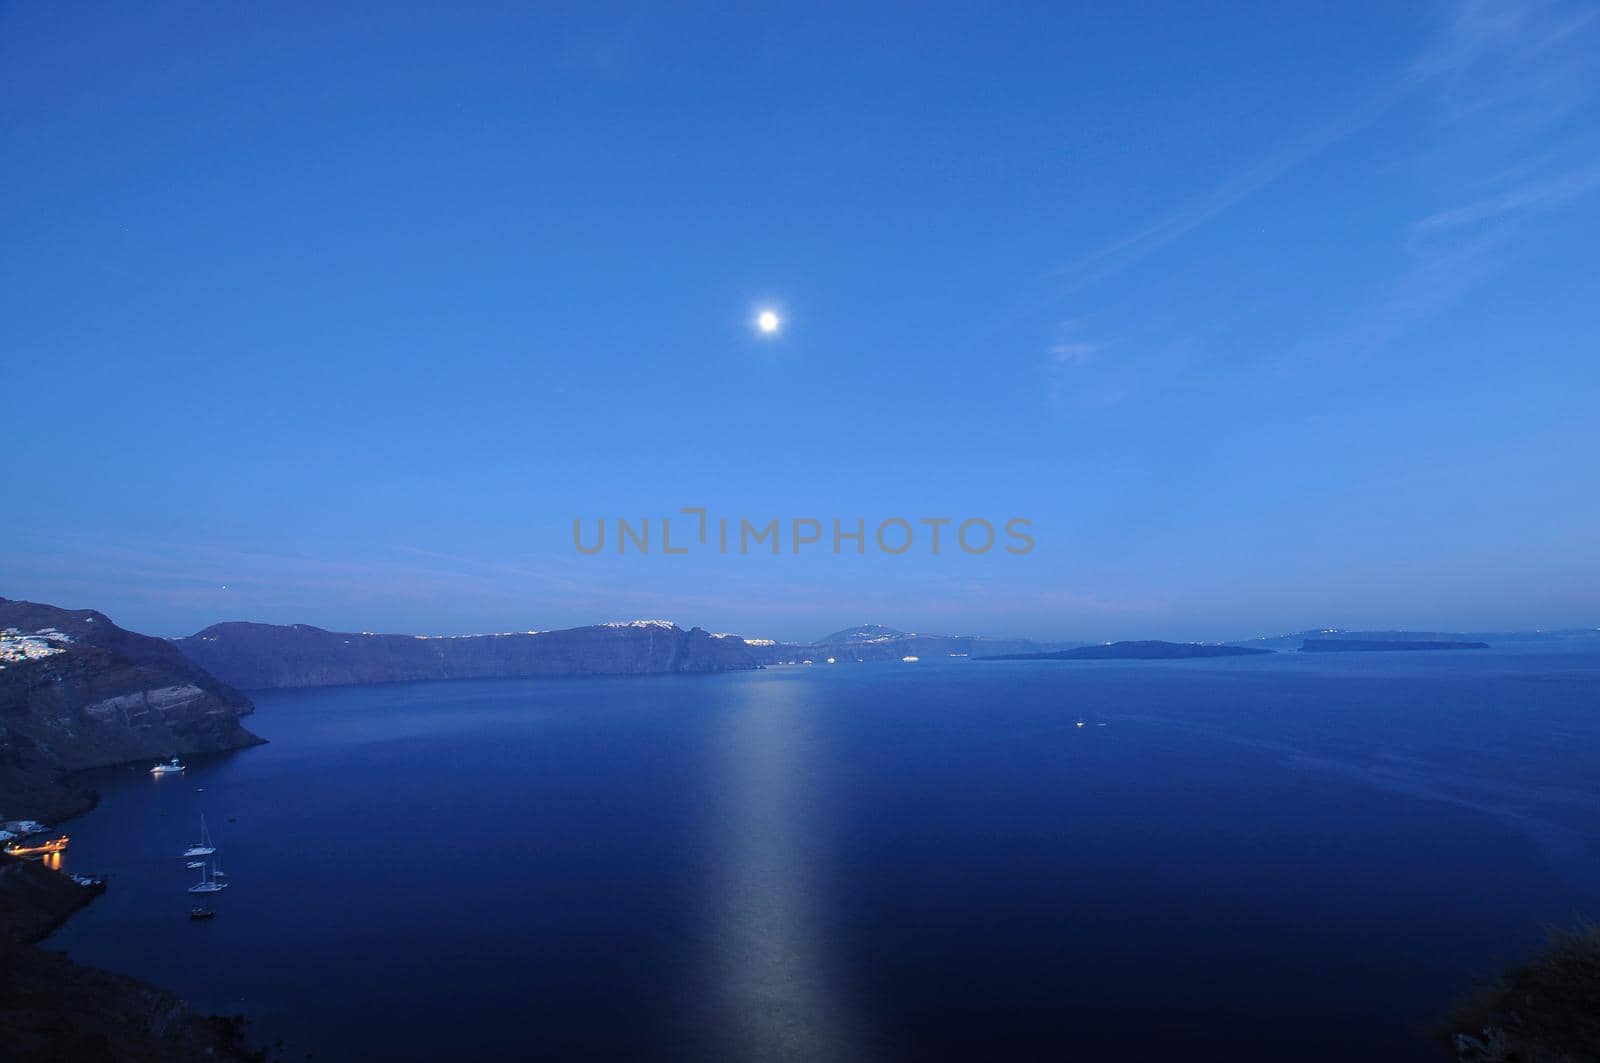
1546, 1010
77, 692
57, 1010
53, 1009
1135, 651
270, 656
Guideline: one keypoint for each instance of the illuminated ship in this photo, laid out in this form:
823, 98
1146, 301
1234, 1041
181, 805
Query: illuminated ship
54, 845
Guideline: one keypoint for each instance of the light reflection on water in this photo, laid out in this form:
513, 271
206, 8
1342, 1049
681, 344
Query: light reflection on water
772, 968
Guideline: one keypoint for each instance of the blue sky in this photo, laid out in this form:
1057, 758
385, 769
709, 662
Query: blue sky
1265, 317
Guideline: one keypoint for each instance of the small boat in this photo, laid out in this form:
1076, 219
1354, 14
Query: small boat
171, 767
192, 864
202, 913
217, 872
910, 659
207, 885
204, 846
54, 845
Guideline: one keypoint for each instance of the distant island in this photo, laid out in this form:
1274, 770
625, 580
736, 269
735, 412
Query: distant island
1372, 645
1291, 640
875, 642
1150, 650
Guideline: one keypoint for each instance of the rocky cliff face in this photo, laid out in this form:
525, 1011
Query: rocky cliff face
77, 691
267, 656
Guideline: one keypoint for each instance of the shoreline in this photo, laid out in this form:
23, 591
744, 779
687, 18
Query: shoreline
53, 1007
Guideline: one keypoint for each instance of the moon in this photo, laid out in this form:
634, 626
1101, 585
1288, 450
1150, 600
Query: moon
768, 322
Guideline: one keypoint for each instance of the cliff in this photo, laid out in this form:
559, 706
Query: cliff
77, 691
1136, 651
269, 656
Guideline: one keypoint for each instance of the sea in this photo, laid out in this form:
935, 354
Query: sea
1277, 857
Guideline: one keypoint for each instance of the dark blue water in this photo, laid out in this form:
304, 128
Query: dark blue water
1281, 857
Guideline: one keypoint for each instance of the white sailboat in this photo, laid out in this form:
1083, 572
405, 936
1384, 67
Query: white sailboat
207, 885
204, 847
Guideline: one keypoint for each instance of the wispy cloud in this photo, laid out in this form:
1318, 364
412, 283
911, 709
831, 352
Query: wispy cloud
1530, 197
1127, 251
1069, 354
1070, 357
1528, 55
1493, 98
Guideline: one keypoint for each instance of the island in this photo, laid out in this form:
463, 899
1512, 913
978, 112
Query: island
1148, 650
875, 642
1373, 645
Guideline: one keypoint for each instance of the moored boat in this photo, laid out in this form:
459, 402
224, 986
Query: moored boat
207, 884
204, 846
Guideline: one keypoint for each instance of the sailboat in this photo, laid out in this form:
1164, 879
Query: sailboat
216, 871
204, 847
207, 885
